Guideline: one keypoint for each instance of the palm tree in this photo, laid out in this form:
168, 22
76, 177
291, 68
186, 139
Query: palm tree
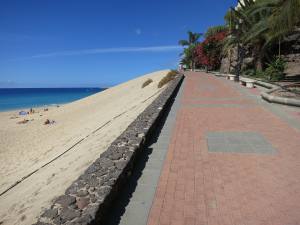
261, 24
250, 28
189, 51
239, 24
192, 39
283, 18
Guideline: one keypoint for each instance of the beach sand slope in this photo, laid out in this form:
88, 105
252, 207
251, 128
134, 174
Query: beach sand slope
44, 159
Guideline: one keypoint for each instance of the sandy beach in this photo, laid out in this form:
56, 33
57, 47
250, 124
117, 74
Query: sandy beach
38, 162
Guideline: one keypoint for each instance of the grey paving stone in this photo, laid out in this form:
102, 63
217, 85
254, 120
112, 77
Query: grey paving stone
143, 193
164, 135
154, 164
238, 142
263, 149
149, 177
160, 146
240, 148
256, 141
159, 154
221, 140
216, 134
136, 213
236, 139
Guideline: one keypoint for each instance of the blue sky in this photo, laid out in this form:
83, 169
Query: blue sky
84, 43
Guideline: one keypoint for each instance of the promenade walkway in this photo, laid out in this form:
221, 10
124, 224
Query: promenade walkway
232, 159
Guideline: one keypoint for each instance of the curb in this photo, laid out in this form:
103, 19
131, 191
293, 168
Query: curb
280, 100
265, 85
275, 99
88, 199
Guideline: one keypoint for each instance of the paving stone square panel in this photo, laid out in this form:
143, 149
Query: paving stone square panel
238, 142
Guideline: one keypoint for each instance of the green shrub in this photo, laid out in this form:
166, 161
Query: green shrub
275, 70
249, 72
259, 74
166, 79
147, 82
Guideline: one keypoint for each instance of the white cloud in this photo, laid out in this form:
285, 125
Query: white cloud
94, 51
164, 48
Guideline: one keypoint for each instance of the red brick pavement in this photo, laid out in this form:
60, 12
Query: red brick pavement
197, 187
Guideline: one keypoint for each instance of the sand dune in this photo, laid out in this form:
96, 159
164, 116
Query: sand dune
50, 157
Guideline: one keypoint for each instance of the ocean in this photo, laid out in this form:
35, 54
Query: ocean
24, 98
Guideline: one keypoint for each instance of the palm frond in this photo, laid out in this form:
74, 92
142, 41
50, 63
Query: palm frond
285, 16
213, 30
256, 32
183, 42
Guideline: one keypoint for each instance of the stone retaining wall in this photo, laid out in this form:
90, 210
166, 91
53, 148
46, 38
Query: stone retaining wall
87, 200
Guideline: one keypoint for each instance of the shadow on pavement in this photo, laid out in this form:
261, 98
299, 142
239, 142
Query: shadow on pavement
120, 203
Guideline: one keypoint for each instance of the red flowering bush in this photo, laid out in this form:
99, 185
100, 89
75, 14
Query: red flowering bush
201, 56
208, 53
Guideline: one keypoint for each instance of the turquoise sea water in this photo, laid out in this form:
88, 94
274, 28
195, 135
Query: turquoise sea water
22, 98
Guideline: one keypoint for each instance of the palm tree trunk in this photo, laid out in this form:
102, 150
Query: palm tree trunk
259, 64
239, 62
230, 61
279, 48
258, 57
